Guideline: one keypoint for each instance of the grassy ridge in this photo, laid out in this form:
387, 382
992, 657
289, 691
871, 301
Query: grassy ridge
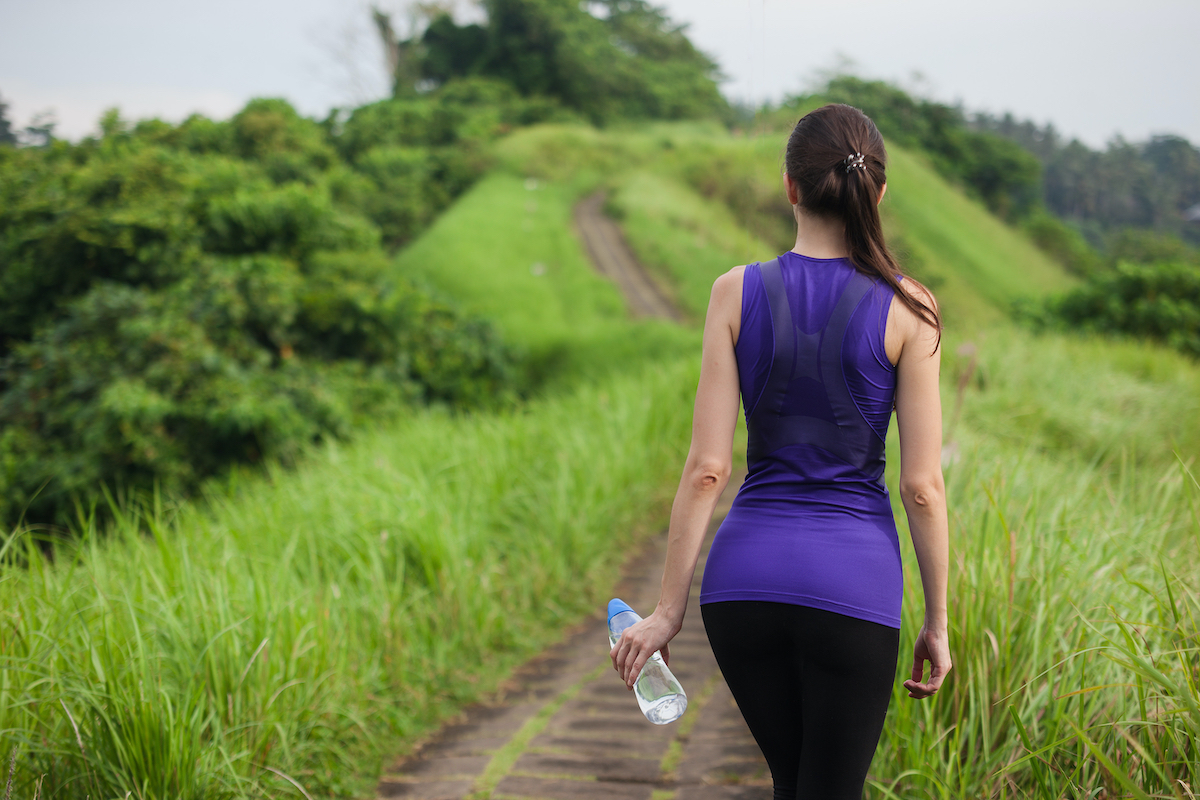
506, 251
694, 202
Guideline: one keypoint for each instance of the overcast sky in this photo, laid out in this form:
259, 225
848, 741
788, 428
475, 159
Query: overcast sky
1094, 68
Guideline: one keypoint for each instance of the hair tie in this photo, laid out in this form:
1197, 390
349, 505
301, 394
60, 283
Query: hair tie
854, 161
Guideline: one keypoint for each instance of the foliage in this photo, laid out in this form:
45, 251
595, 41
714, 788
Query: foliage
1148, 185
7, 134
1148, 246
419, 153
1156, 301
628, 60
176, 299
308, 620
1062, 242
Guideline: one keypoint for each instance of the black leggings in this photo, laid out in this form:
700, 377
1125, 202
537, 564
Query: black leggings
814, 689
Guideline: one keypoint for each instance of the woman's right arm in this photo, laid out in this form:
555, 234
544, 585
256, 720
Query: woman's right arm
923, 490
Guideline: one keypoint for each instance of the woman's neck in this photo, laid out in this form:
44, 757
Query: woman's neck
819, 237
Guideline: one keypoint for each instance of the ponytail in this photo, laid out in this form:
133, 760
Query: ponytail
836, 158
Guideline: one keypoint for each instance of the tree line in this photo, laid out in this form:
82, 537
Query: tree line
1152, 185
605, 60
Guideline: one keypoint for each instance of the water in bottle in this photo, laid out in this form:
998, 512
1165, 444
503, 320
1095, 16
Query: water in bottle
658, 693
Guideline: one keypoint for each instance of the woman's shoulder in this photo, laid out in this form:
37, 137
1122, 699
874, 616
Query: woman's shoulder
725, 304
905, 326
916, 291
729, 282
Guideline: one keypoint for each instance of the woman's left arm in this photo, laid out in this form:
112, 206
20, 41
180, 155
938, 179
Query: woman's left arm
705, 475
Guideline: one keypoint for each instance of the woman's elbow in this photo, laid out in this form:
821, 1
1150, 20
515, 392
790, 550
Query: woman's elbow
709, 474
923, 491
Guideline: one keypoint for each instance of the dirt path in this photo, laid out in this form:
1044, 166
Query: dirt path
614, 260
567, 729
564, 727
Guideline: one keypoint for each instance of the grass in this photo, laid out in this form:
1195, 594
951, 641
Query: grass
311, 621
977, 265
687, 239
1073, 562
506, 250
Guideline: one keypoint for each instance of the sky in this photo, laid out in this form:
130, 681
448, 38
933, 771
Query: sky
1095, 69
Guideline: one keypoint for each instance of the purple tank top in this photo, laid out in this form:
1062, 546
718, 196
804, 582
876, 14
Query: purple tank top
812, 524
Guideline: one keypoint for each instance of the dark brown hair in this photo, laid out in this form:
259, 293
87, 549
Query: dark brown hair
822, 160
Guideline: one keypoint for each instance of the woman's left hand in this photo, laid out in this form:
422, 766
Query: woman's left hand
639, 642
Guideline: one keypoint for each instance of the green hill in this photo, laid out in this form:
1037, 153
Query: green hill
695, 200
977, 265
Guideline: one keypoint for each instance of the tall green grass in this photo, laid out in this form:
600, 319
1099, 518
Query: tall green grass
306, 622
1068, 583
1073, 596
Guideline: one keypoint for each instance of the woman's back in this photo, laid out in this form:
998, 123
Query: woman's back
812, 524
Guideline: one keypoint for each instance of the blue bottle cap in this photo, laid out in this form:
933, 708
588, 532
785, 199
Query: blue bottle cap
616, 606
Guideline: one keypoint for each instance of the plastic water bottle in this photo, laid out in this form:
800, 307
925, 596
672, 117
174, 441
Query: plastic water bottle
658, 693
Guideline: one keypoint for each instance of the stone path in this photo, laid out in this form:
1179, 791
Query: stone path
612, 258
565, 728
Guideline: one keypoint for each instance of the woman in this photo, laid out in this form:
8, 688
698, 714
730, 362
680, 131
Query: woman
802, 588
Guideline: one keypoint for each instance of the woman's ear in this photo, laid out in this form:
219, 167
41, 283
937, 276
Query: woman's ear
793, 192
882, 192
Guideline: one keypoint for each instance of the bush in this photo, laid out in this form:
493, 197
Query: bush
1156, 301
1063, 243
177, 299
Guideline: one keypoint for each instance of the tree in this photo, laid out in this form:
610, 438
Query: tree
403, 56
626, 61
7, 136
1151, 185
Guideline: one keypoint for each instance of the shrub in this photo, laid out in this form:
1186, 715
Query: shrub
1155, 301
1062, 242
177, 299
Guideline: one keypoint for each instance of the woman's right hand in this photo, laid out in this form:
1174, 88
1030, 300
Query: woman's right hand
639, 642
933, 645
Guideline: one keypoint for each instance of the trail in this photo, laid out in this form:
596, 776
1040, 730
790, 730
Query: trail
564, 727
613, 259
